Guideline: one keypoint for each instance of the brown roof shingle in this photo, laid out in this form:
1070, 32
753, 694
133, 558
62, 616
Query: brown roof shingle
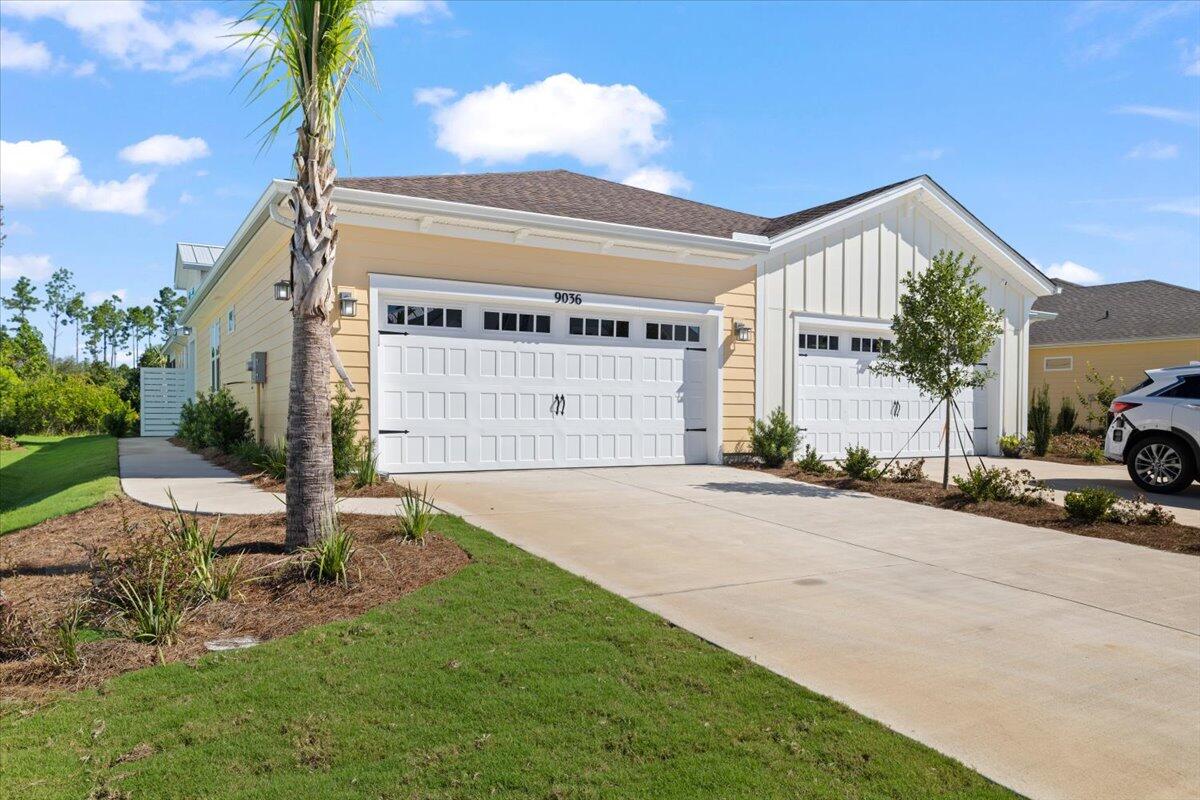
1117, 311
569, 194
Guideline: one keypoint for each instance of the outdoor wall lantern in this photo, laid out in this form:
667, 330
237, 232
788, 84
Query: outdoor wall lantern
283, 290
742, 331
347, 305
183, 331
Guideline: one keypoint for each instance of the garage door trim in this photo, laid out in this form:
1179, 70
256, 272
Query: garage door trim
711, 316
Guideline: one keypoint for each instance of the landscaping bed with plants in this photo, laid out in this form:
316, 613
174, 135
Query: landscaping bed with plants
217, 428
121, 586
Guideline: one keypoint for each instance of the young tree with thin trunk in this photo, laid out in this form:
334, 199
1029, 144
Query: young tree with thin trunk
167, 307
943, 329
312, 50
59, 290
77, 312
21, 299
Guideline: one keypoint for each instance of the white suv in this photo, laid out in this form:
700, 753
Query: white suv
1155, 429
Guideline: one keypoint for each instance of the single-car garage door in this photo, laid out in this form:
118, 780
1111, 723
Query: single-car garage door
840, 402
467, 383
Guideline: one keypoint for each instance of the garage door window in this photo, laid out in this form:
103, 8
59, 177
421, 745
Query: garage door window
818, 341
598, 326
866, 344
424, 316
515, 321
669, 332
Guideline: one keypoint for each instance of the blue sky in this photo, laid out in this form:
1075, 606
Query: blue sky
1073, 130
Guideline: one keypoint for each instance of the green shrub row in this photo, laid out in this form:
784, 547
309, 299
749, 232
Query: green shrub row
56, 404
214, 420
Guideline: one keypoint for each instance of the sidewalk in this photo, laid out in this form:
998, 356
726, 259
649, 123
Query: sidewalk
150, 467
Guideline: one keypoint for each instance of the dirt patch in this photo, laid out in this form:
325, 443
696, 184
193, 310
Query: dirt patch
344, 487
1069, 448
1175, 538
46, 569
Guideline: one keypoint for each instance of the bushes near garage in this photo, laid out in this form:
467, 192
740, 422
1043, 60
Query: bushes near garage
1040, 425
343, 423
214, 420
860, 464
1090, 504
774, 441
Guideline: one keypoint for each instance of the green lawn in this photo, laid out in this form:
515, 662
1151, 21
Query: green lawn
511, 678
54, 475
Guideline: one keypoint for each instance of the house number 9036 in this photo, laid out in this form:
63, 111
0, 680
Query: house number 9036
570, 298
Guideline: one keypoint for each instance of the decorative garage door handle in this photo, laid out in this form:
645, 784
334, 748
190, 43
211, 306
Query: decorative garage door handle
558, 405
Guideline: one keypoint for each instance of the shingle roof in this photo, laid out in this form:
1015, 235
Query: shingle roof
569, 194
1117, 311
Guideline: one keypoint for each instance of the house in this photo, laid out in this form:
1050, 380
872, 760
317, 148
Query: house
1119, 329
542, 319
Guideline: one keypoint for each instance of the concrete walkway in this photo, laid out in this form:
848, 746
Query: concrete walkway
150, 467
1063, 478
1058, 665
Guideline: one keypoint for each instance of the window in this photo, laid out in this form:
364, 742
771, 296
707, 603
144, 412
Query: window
214, 356
866, 344
670, 332
424, 316
594, 326
1058, 363
1188, 389
515, 321
818, 341
230, 322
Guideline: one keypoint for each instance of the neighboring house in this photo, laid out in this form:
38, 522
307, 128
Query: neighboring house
540, 319
1120, 329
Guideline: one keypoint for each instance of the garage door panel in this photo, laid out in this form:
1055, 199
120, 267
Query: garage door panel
472, 398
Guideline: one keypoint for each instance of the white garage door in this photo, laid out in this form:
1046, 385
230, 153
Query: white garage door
498, 385
840, 403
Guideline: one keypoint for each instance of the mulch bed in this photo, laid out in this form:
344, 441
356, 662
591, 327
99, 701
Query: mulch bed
45, 569
1175, 538
344, 487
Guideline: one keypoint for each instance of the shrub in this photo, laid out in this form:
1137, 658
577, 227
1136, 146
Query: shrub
121, 422
1097, 396
212, 579
982, 483
860, 464
415, 515
1067, 416
154, 610
811, 462
775, 440
343, 421
214, 420
1091, 504
328, 561
54, 404
1093, 455
1011, 445
65, 637
366, 465
1074, 445
272, 459
1139, 511
910, 472
1040, 427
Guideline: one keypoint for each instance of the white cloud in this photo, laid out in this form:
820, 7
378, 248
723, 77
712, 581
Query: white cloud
186, 198
84, 69
927, 154
435, 96
658, 179
34, 267
165, 149
1075, 273
1191, 60
1187, 206
141, 35
1102, 231
39, 172
385, 12
17, 52
1131, 22
1154, 150
100, 296
614, 126
1162, 113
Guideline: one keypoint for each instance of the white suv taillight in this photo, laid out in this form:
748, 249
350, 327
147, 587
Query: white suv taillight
1120, 406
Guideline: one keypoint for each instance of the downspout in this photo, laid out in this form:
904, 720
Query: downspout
334, 357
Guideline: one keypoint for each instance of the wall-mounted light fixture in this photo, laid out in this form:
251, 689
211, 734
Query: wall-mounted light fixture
742, 331
183, 331
283, 290
347, 305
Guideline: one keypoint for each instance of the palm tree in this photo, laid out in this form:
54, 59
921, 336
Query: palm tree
311, 49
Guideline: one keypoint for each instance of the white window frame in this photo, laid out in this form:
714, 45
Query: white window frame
230, 320
214, 356
1068, 368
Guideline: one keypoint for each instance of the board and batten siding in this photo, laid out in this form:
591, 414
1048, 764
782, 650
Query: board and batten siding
362, 251
854, 271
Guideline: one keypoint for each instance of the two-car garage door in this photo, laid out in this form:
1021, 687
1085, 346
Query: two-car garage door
467, 383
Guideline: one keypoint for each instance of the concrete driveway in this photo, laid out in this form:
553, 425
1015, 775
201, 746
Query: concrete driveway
1058, 665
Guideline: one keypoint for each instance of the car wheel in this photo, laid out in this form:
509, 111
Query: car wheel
1160, 464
